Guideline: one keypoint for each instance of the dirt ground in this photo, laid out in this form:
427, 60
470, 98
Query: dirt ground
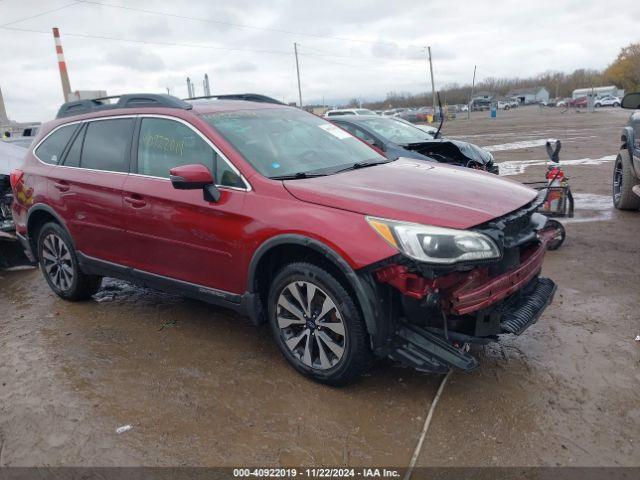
201, 386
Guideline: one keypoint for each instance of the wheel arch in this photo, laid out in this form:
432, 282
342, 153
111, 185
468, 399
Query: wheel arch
282, 249
40, 214
627, 138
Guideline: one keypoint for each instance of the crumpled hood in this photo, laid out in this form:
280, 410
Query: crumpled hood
416, 191
459, 151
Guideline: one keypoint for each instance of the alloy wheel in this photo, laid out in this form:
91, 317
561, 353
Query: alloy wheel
57, 262
311, 325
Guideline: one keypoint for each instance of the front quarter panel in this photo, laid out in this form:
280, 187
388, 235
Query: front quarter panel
345, 232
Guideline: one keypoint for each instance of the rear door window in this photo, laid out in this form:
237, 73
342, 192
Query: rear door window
50, 151
107, 144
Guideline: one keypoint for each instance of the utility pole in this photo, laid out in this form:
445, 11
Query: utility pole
433, 87
473, 84
295, 50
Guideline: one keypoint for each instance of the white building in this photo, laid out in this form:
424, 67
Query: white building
530, 95
598, 92
86, 95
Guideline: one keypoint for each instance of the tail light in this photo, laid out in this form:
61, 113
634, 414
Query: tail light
15, 178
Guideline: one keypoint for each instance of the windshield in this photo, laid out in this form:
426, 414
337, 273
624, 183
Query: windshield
285, 141
395, 130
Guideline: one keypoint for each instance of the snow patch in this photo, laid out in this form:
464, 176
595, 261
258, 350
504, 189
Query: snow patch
516, 167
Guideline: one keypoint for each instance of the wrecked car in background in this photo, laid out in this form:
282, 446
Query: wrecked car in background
12, 155
395, 138
283, 216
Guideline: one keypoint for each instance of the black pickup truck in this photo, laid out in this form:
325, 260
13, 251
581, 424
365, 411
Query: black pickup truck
626, 172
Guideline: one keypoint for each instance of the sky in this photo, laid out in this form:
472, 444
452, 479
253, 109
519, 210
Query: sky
348, 49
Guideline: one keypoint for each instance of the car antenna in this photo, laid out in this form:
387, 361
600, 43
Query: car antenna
441, 116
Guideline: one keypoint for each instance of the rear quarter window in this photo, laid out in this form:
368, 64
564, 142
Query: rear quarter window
50, 150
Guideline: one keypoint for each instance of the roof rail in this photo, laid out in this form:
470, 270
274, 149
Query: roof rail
248, 97
130, 100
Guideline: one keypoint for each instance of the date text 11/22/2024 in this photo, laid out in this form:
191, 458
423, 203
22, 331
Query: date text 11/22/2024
316, 473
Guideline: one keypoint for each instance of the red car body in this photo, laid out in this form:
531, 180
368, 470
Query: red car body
142, 228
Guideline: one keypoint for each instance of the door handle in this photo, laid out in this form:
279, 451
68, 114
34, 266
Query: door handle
135, 201
62, 186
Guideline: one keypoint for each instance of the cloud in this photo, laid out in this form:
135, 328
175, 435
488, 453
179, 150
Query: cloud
240, 67
135, 59
348, 49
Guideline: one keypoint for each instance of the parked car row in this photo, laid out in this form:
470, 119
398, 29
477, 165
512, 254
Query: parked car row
276, 213
582, 102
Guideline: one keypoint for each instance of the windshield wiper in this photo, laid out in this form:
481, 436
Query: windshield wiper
358, 165
298, 175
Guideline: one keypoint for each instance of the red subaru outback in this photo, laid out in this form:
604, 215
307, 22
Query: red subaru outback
282, 216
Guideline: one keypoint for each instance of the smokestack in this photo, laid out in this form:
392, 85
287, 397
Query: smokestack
207, 89
189, 88
3, 112
64, 76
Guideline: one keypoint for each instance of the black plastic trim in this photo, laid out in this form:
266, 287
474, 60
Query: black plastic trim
364, 293
422, 350
95, 266
39, 207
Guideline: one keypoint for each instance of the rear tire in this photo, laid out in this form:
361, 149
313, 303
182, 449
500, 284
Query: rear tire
59, 265
317, 325
623, 182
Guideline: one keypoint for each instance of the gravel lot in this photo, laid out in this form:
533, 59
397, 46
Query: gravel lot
201, 386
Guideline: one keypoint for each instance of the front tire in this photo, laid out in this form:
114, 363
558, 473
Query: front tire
317, 325
623, 182
59, 265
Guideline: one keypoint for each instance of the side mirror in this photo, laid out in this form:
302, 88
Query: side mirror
190, 177
195, 177
631, 100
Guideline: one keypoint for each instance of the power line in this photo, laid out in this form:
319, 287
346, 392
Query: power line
41, 13
241, 26
147, 42
191, 45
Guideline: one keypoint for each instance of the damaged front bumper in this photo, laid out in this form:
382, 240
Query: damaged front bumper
435, 350
437, 313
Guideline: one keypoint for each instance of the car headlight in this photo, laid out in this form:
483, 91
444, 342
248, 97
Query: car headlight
437, 245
